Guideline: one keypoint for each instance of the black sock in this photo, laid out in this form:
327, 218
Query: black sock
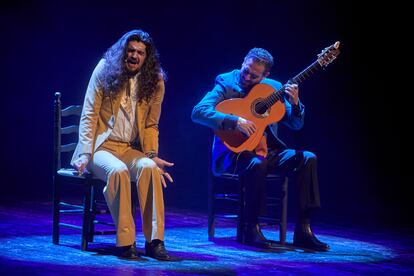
304, 216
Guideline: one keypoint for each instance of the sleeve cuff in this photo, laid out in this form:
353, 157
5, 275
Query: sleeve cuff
151, 154
229, 122
297, 110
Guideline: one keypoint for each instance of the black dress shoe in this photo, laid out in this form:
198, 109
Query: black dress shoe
303, 237
129, 252
156, 249
253, 236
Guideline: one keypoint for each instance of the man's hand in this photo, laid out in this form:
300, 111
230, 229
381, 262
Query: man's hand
81, 162
161, 166
245, 126
293, 91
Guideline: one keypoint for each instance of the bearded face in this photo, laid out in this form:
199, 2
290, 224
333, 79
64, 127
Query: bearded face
251, 74
135, 56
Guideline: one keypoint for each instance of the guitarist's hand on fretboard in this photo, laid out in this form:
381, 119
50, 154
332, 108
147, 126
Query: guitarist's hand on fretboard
245, 126
293, 91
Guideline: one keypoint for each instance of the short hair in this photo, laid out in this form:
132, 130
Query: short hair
261, 56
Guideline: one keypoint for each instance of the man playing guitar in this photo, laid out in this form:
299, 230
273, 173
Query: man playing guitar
244, 109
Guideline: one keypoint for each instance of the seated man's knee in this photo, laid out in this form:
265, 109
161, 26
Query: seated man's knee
146, 164
309, 157
120, 169
258, 164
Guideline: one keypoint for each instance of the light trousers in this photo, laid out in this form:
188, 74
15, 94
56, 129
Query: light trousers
118, 164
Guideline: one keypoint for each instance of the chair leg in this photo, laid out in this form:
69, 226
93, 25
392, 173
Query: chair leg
86, 217
241, 215
211, 210
91, 223
283, 220
56, 209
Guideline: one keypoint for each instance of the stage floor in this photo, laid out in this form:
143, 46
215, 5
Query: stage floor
26, 249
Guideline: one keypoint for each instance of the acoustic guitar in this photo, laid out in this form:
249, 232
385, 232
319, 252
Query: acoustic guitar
264, 105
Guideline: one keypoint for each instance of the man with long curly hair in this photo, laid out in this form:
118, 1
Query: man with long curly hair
118, 139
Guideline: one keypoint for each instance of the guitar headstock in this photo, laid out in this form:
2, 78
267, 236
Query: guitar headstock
328, 54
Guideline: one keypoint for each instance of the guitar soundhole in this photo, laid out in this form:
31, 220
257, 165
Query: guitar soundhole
259, 108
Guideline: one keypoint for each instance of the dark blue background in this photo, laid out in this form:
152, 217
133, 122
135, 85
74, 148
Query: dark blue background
350, 122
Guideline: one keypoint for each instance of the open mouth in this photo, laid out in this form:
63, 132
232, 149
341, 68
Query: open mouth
132, 61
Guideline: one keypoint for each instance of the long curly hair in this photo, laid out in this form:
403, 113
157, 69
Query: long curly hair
114, 75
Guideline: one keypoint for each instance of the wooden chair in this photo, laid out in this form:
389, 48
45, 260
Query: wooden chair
227, 188
66, 127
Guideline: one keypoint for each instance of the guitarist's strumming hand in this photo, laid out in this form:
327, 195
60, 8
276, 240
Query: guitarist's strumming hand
245, 126
293, 91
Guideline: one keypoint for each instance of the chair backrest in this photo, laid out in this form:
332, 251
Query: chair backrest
66, 128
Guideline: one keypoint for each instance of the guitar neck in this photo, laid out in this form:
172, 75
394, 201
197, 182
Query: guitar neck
299, 78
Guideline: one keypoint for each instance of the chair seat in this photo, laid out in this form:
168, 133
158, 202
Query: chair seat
71, 172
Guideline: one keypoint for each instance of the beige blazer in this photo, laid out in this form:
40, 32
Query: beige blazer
99, 115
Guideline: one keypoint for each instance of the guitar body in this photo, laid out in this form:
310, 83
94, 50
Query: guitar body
245, 107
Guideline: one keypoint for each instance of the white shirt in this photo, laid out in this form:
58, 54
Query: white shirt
125, 128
